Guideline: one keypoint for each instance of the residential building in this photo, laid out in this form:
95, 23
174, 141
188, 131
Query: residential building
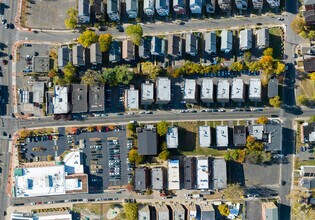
142, 178
148, 7
246, 39
307, 171
239, 135
258, 4
190, 93
95, 54
144, 213
309, 17
309, 64
192, 211
223, 91
256, 131
269, 211
113, 9
162, 7
207, 90
179, 6
174, 45
78, 55
172, 137
274, 3
145, 48
210, 39
128, 50
203, 173
189, 173
195, 6
255, 90
309, 5
132, 8
147, 140
79, 98
204, 136
162, 212
132, 98
241, 4
222, 136
219, 174
178, 211
273, 87
173, 175
38, 90
262, 38
191, 44
163, 90
64, 56
147, 93
308, 183
83, 11
61, 99
96, 98
225, 5
157, 46
158, 179
98, 8
238, 88
115, 52
210, 6
206, 211
308, 132
226, 40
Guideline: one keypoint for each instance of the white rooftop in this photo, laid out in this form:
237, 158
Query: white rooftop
60, 100
237, 89
223, 92
257, 131
132, 99
73, 162
190, 89
311, 137
222, 136
172, 137
246, 39
207, 89
163, 85
255, 88
147, 90
202, 173
173, 174
41, 181
73, 184
226, 41
204, 136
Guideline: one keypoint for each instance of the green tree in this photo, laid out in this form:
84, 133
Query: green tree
151, 70
233, 192
131, 211
311, 35
275, 101
237, 66
105, 40
268, 52
134, 157
109, 76
262, 120
231, 155
71, 21
303, 100
91, 77
247, 56
255, 146
131, 127
164, 155
254, 66
162, 127
69, 72
118, 74
224, 209
135, 32
298, 24
279, 67
87, 38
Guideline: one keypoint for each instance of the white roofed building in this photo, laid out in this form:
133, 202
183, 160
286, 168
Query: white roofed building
226, 41
113, 9
241, 4
195, 6
206, 94
147, 93
190, 91
132, 8
173, 174
238, 94
222, 136
172, 137
255, 90
132, 98
61, 101
223, 91
204, 136
262, 38
246, 39
203, 173
148, 7
163, 90
73, 162
162, 7
210, 39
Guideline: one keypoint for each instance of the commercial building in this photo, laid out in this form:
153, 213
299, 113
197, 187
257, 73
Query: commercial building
210, 6
142, 178
64, 56
206, 211
128, 50
79, 98
195, 6
115, 52
61, 99
179, 6
223, 91
238, 94
258, 4
132, 98
162, 212
241, 4
178, 211
38, 90
145, 48
219, 174
172, 137
158, 179
191, 44
132, 8
273, 87
307, 171
246, 39
207, 90
210, 39
203, 173
262, 38
222, 136
147, 93
162, 7
255, 90
95, 54
61, 215
204, 135
174, 45
226, 40
269, 211
78, 55
225, 5
173, 174
157, 46
144, 213
96, 98
147, 140
189, 173
163, 90
190, 91
113, 9
148, 7
84, 11
239, 135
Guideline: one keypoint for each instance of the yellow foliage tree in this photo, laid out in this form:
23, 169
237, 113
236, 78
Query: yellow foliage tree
262, 120
312, 76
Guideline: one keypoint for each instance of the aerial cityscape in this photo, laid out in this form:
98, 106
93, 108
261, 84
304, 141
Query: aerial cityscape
157, 109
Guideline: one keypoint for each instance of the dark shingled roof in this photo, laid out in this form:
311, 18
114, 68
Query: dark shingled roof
147, 141
189, 172
79, 98
239, 135
309, 64
273, 87
141, 178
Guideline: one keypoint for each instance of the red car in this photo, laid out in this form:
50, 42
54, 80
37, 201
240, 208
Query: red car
4, 62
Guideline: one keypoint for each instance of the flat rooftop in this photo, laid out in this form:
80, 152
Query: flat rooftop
79, 98
202, 173
237, 89
172, 137
61, 99
132, 99
256, 131
255, 88
219, 174
222, 136
190, 89
41, 64
204, 136
157, 178
223, 92
207, 89
147, 92
96, 98
163, 85
173, 174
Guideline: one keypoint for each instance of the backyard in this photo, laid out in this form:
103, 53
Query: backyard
276, 35
103, 211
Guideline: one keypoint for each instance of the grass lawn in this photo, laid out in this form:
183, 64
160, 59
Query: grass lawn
97, 209
276, 41
308, 88
242, 122
299, 163
204, 151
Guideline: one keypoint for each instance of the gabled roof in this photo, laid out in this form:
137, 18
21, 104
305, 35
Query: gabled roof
78, 55
309, 2
84, 7
79, 98
63, 56
239, 135
115, 51
95, 54
309, 64
145, 48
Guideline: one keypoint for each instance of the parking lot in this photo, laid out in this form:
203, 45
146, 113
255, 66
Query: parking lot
45, 14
